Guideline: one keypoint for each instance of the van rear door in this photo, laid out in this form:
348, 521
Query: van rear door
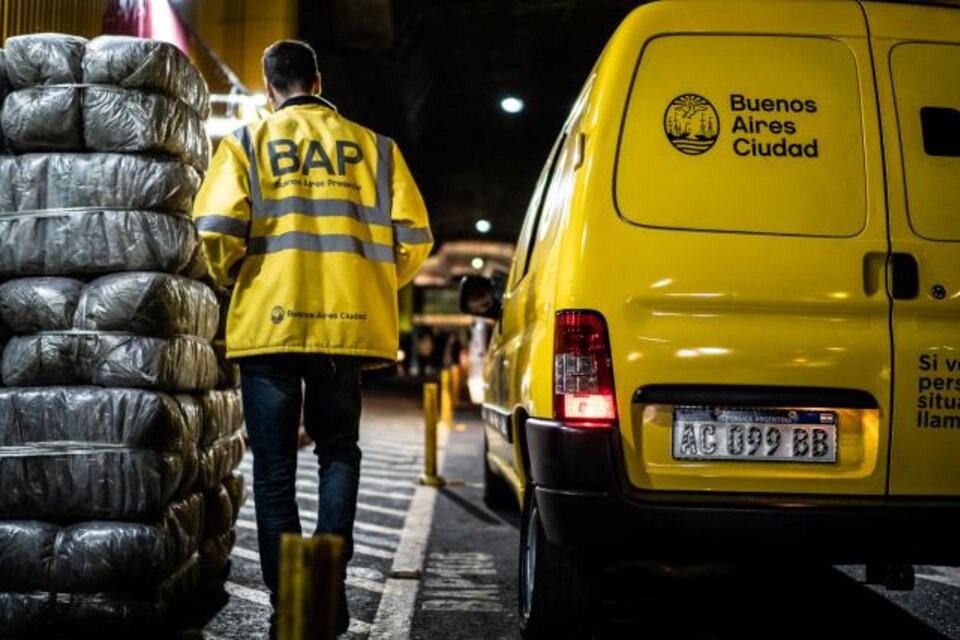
917, 54
743, 281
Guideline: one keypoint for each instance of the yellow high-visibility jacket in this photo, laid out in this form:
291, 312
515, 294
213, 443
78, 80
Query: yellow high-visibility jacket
316, 222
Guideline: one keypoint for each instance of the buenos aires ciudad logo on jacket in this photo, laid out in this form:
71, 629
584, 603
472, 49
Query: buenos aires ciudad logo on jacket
277, 314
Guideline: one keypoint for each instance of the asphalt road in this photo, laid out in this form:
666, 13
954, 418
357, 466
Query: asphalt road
470, 586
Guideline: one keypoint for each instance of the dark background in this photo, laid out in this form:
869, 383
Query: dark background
431, 74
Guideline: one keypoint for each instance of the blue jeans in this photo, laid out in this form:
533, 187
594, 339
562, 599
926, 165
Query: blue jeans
272, 399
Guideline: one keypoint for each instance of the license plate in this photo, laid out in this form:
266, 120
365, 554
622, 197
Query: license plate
767, 435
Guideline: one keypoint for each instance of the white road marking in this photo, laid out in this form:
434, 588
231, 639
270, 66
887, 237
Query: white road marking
384, 482
358, 549
309, 517
246, 554
461, 582
941, 578
367, 550
359, 627
311, 489
255, 596
395, 613
399, 513
375, 541
263, 598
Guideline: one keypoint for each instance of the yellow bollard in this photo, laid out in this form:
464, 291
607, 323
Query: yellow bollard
446, 400
309, 586
430, 477
456, 385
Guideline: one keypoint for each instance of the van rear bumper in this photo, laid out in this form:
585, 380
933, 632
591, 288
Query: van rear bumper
588, 507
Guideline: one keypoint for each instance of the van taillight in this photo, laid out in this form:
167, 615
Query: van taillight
583, 393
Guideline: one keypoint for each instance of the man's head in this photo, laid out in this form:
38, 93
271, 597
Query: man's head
290, 69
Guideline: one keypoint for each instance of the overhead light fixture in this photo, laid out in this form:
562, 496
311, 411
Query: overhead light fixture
512, 104
477, 263
483, 226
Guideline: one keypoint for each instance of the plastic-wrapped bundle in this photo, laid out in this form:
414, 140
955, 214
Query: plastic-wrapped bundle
221, 415
99, 556
236, 487
4, 90
45, 58
54, 181
123, 613
31, 305
221, 509
102, 118
136, 63
146, 303
109, 360
218, 461
91, 453
132, 418
43, 119
94, 242
134, 121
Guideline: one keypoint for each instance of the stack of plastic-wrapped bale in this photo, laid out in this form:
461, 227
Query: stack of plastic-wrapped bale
118, 490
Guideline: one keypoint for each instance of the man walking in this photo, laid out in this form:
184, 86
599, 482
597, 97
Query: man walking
315, 221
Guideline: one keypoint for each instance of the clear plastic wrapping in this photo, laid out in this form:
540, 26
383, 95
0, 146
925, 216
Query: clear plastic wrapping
80, 482
99, 556
137, 63
236, 487
53, 181
123, 61
81, 614
55, 417
155, 304
103, 118
109, 360
218, 461
71, 453
94, 242
44, 58
215, 554
4, 90
217, 511
31, 305
221, 415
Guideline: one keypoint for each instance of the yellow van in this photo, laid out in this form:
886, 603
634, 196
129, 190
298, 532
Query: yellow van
731, 331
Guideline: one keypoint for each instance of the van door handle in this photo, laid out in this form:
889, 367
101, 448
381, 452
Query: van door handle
905, 276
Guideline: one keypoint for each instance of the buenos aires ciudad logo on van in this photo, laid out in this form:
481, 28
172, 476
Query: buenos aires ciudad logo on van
691, 124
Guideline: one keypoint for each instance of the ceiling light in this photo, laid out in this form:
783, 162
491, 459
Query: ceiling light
477, 263
483, 226
512, 104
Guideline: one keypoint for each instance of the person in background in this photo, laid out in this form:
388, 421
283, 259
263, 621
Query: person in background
315, 221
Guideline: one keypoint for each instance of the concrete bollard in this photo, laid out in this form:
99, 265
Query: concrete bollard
430, 477
446, 399
309, 587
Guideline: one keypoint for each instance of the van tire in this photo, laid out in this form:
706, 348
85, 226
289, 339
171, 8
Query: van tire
496, 493
560, 602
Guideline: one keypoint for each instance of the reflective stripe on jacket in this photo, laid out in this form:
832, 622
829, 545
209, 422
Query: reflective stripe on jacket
316, 222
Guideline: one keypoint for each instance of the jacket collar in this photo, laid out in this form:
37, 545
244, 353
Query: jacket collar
296, 101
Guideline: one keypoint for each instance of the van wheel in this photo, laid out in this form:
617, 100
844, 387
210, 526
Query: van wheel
496, 492
558, 591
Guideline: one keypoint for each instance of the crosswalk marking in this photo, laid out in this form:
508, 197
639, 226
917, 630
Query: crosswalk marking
246, 554
246, 593
262, 598
311, 518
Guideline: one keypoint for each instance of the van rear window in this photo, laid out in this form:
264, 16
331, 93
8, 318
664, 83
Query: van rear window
753, 134
928, 112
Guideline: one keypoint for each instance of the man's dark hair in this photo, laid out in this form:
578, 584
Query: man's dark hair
290, 65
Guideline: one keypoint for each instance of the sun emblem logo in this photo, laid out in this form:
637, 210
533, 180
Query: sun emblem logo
277, 314
691, 124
